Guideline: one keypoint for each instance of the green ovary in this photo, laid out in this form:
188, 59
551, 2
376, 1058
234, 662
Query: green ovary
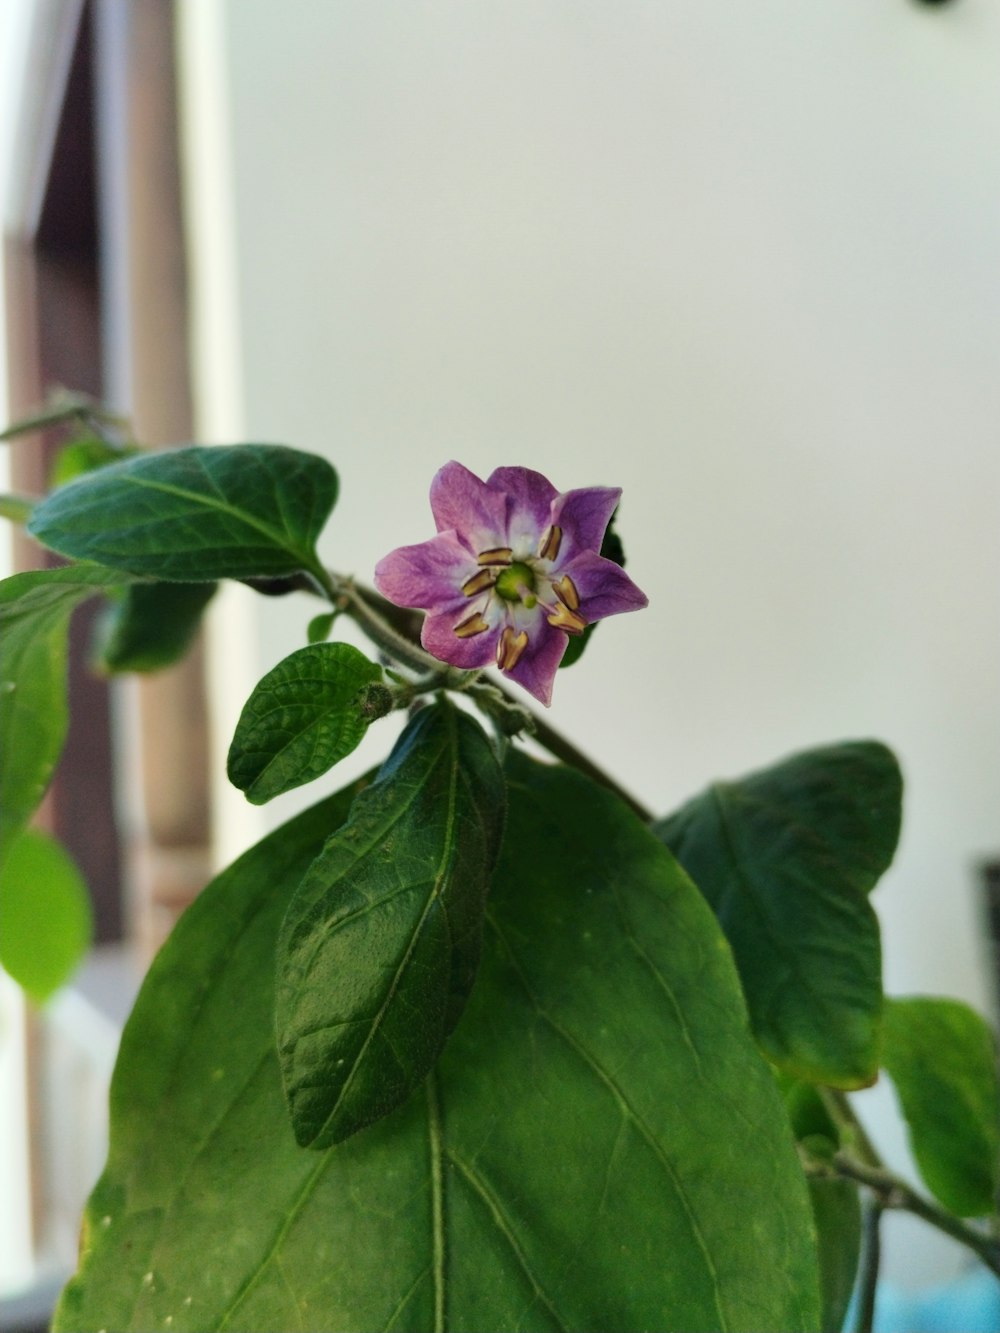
517, 584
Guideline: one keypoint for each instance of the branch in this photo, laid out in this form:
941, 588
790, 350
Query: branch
561, 748
372, 614
892, 1192
849, 1128
871, 1258
860, 1161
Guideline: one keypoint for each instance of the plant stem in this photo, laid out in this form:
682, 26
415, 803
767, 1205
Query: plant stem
871, 1256
849, 1127
64, 408
563, 749
371, 614
892, 1192
349, 599
861, 1162
361, 605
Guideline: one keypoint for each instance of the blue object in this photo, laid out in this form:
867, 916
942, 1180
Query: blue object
969, 1304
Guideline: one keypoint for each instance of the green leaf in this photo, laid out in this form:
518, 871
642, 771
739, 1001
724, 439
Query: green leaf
303, 717
380, 947
197, 1063
318, 629
86, 454
16, 508
151, 626
808, 1116
64, 407
836, 1206
191, 514
34, 617
942, 1059
45, 917
787, 858
600, 1148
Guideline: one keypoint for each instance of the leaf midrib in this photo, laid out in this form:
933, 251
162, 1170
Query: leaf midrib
316, 720
451, 747
377, 834
277, 537
282, 536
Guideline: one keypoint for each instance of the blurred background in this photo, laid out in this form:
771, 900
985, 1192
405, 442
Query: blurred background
738, 260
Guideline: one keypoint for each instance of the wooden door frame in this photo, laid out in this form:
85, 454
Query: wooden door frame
53, 336
136, 334
107, 312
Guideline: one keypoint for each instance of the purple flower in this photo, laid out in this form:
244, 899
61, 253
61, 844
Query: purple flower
515, 569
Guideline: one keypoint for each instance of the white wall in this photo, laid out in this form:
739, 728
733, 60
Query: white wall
740, 260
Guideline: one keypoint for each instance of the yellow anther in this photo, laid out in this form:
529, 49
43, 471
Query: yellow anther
510, 646
561, 617
496, 555
471, 625
565, 590
549, 546
478, 583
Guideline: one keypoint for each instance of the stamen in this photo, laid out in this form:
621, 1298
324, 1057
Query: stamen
563, 618
565, 590
510, 646
478, 583
496, 555
471, 625
549, 546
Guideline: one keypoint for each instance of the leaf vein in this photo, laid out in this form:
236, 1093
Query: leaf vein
504, 1226
629, 1112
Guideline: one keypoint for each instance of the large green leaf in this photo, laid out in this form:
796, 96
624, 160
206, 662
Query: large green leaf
942, 1059
303, 717
151, 626
381, 943
787, 858
34, 616
601, 1147
45, 916
192, 514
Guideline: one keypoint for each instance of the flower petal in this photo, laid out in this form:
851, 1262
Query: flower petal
603, 587
463, 504
530, 498
427, 575
584, 515
439, 638
536, 668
